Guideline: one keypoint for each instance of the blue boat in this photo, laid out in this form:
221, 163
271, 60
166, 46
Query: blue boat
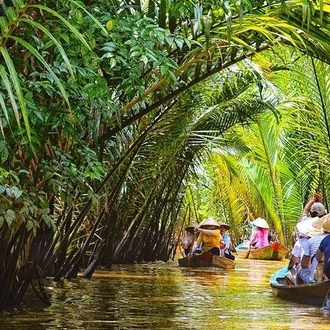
308, 294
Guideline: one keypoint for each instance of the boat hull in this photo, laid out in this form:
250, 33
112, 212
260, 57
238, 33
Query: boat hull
273, 251
242, 248
206, 259
308, 294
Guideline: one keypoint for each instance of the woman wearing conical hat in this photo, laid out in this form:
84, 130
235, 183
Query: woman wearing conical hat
260, 237
188, 240
209, 236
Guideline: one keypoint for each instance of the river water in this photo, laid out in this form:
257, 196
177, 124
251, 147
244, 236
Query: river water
165, 296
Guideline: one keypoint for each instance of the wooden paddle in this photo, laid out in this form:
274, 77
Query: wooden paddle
192, 246
326, 302
247, 252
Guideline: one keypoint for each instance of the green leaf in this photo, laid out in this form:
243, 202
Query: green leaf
19, 4
29, 225
3, 24
49, 222
112, 62
104, 30
13, 192
75, 32
58, 45
17, 192
109, 25
46, 65
17, 86
144, 59
12, 14
10, 216
8, 86
3, 188
179, 43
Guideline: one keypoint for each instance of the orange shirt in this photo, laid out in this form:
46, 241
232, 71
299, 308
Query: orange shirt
210, 240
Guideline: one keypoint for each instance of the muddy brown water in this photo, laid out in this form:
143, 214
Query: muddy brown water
165, 296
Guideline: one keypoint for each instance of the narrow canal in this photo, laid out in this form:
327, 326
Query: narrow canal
165, 296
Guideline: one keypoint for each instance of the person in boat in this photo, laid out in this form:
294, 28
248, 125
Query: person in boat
225, 245
209, 236
260, 237
323, 254
313, 208
306, 230
308, 262
189, 239
312, 211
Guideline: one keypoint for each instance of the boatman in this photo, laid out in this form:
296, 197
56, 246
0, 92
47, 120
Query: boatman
209, 236
260, 237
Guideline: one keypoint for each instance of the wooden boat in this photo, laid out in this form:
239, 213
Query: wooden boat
310, 294
273, 251
242, 248
206, 259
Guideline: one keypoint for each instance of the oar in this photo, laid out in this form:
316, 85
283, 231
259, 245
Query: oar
248, 252
192, 245
326, 302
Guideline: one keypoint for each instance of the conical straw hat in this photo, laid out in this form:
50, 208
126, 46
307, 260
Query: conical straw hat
223, 224
261, 223
308, 228
191, 226
322, 223
326, 223
209, 222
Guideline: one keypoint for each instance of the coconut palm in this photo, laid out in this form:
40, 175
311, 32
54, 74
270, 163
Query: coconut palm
191, 64
286, 155
130, 113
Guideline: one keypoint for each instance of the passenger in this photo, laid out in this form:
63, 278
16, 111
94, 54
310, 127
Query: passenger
313, 208
260, 237
225, 246
209, 236
306, 231
308, 263
188, 241
323, 254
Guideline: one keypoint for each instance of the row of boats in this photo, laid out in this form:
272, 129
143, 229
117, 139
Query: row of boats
273, 251
312, 294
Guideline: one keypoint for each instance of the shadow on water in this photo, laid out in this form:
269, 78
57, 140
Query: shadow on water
165, 296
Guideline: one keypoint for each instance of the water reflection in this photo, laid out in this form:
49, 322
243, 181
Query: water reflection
164, 296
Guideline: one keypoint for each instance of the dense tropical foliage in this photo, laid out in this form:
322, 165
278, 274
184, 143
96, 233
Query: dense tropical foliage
123, 121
